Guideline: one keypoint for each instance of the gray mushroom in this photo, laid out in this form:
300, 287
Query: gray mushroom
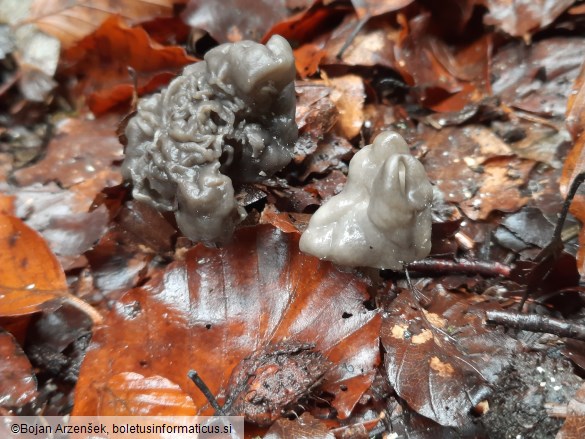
382, 217
229, 118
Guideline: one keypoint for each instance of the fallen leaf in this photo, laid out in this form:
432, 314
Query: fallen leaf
132, 394
285, 221
101, 60
500, 183
80, 149
417, 63
576, 105
575, 160
348, 94
521, 18
328, 156
327, 187
30, 274
235, 20
304, 427
18, 385
531, 77
574, 425
307, 59
70, 21
374, 45
444, 367
316, 115
371, 8
62, 217
477, 170
307, 25
216, 306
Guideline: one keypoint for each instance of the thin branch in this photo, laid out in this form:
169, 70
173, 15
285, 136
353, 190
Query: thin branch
194, 376
537, 323
483, 268
353, 34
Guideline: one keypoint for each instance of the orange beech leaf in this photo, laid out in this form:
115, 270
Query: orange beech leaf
306, 25
132, 394
18, 385
6, 204
101, 60
30, 274
307, 59
70, 21
210, 310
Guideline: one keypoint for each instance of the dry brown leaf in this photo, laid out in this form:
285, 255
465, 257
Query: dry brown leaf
72, 20
575, 160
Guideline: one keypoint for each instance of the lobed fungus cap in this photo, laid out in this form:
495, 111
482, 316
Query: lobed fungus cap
382, 217
228, 119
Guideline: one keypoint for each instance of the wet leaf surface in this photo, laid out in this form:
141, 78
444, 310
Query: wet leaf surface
101, 60
30, 274
520, 18
79, 150
291, 294
72, 20
235, 20
442, 360
529, 78
483, 174
132, 394
18, 385
488, 95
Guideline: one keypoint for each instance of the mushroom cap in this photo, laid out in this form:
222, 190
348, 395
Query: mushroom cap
382, 217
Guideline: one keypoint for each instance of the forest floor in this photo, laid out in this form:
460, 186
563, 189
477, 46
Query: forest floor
105, 306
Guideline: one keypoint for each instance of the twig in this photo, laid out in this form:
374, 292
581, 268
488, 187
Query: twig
537, 323
353, 34
484, 268
544, 260
194, 376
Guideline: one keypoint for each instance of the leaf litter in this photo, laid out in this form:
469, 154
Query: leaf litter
489, 97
